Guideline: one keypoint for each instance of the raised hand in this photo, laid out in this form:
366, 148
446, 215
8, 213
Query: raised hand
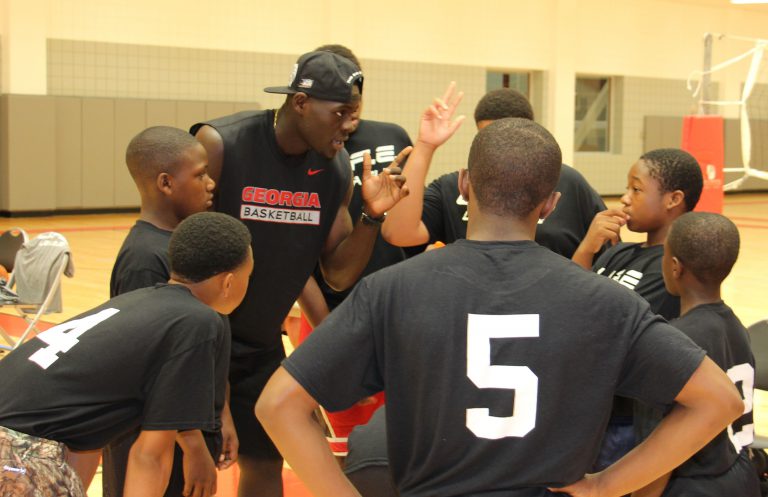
437, 123
381, 192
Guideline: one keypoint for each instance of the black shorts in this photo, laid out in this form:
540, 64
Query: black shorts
740, 480
249, 371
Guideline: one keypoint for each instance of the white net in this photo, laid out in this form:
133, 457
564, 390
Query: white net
750, 67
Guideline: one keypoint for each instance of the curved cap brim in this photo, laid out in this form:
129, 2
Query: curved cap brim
286, 90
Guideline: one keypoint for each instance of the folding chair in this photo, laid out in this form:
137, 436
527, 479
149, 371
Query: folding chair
10, 243
36, 278
758, 334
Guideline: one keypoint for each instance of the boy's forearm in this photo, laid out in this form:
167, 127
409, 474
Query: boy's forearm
583, 257
680, 434
285, 410
149, 464
403, 226
705, 406
654, 489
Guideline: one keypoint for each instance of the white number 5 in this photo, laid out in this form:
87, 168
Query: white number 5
481, 328
63, 337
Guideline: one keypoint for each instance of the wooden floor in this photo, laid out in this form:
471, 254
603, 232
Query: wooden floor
95, 240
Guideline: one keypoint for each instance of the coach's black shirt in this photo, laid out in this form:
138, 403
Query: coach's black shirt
289, 204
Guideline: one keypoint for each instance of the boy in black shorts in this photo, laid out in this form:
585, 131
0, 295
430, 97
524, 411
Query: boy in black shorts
500, 359
699, 252
170, 169
154, 358
662, 185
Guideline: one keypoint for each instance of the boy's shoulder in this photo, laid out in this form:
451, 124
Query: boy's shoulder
169, 307
715, 328
146, 237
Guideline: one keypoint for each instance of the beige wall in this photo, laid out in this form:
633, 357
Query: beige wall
181, 51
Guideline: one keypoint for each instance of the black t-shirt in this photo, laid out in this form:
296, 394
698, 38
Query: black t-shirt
289, 204
142, 260
383, 141
716, 329
489, 325
143, 359
639, 268
445, 212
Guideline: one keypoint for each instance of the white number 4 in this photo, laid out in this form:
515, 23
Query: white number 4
63, 337
481, 328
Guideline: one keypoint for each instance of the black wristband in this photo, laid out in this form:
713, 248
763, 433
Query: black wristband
372, 221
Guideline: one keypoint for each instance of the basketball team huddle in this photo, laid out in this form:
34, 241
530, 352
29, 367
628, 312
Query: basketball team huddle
533, 354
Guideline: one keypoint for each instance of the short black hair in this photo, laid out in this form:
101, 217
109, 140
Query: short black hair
706, 243
206, 244
514, 164
156, 150
676, 169
501, 103
340, 50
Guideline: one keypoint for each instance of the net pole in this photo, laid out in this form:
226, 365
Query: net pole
706, 78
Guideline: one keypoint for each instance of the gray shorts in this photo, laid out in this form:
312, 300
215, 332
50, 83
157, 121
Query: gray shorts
35, 467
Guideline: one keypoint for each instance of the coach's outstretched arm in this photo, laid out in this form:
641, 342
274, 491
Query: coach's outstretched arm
707, 403
285, 410
404, 227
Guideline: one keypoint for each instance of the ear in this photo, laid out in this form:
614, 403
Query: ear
299, 102
675, 199
549, 205
678, 268
164, 183
464, 184
226, 284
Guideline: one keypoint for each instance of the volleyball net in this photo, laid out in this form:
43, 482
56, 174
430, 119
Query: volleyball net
747, 64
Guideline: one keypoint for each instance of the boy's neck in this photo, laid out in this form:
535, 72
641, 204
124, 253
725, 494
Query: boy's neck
492, 228
162, 218
694, 295
657, 237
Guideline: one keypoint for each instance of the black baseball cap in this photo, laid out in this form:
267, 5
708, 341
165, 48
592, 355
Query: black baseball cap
323, 75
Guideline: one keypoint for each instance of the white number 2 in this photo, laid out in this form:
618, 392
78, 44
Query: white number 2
481, 328
745, 374
63, 337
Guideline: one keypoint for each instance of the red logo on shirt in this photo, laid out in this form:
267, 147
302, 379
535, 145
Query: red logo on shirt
287, 198
312, 172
